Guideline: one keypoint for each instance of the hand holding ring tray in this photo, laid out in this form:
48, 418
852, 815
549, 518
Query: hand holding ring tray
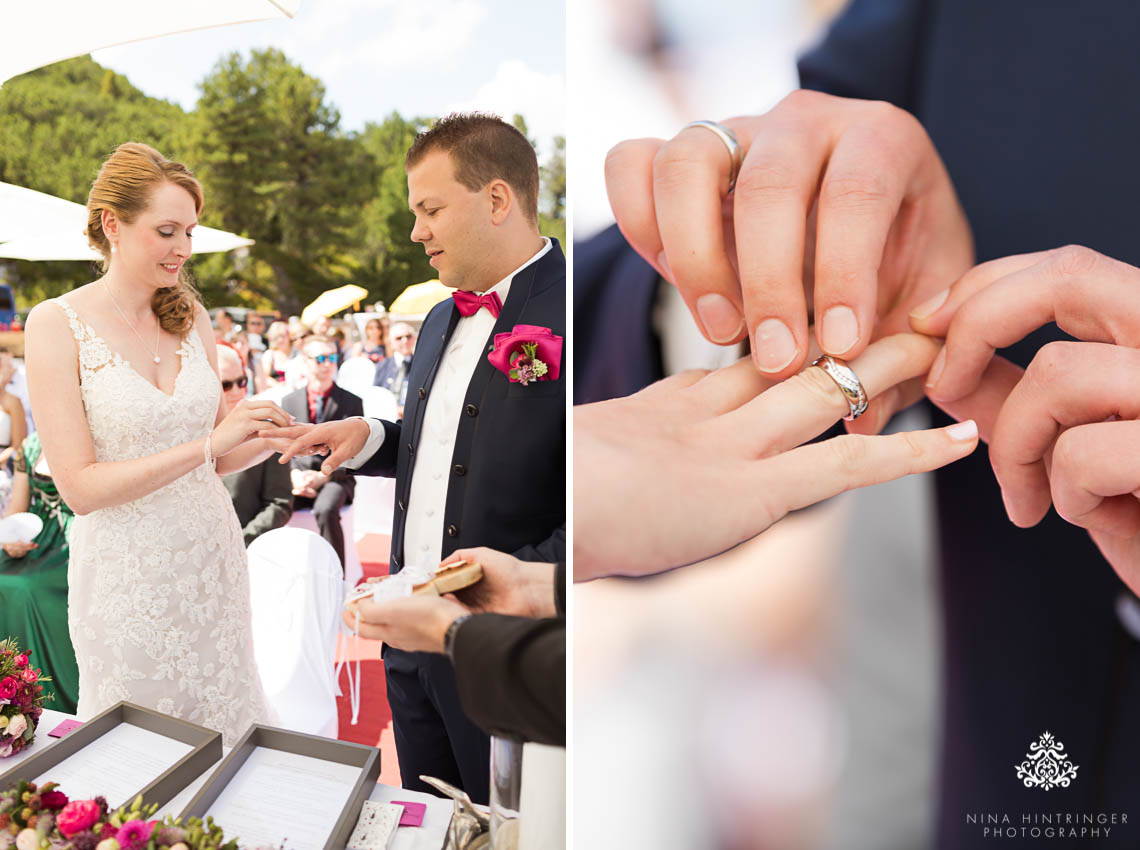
699, 462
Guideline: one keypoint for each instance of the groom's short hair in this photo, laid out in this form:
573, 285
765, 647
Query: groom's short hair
484, 148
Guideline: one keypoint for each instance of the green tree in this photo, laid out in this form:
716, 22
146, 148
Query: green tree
389, 261
279, 170
58, 124
552, 197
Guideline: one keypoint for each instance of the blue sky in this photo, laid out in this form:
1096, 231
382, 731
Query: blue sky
376, 56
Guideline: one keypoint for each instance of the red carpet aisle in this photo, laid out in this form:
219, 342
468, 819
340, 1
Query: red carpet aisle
375, 724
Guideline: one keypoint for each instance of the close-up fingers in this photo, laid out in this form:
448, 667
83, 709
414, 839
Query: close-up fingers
1067, 384
1095, 477
1087, 294
629, 184
805, 405
691, 175
773, 198
852, 460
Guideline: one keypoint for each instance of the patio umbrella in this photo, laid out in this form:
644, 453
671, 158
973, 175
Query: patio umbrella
46, 31
36, 226
419, 298
333, 301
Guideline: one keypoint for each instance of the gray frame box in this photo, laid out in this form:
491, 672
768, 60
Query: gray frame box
313, 746
206, 742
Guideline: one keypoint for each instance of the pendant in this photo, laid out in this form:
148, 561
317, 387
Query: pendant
157, 359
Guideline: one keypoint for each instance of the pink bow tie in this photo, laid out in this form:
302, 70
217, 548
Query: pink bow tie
469, 303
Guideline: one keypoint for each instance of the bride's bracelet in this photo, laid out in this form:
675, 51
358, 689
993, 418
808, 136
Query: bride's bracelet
211, 461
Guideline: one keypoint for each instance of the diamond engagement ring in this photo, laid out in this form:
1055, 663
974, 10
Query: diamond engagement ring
847, 382
735, 152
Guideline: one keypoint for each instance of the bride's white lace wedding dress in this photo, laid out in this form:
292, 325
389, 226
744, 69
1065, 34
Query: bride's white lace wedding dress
158, 598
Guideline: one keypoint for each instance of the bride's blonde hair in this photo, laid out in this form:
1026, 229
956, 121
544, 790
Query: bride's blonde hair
124, 186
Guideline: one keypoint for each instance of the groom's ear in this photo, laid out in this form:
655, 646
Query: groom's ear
502, 200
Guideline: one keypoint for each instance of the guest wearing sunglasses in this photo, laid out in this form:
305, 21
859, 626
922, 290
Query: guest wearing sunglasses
321, 400
263, 493
392, 373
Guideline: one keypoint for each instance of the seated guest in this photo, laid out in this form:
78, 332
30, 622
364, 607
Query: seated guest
321, 400
33, 579
372, 346
277, 356
392, 373
263, 493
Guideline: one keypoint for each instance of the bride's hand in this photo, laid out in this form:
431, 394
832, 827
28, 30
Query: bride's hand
244, 421
697, 463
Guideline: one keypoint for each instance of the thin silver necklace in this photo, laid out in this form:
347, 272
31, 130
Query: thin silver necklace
157, 333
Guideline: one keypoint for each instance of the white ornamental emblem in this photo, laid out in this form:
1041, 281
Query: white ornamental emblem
1046, 765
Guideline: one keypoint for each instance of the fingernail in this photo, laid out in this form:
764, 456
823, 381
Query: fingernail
967, 430
930, 306
720, 317
936, 370
663, 264
774, 346
840, 329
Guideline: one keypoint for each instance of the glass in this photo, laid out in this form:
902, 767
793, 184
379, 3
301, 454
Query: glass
506, 789
240, 383
325, 358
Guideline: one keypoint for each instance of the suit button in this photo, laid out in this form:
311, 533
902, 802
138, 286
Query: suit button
423, 393
471, 410
459, 469
452, 531
400, 504
410, 449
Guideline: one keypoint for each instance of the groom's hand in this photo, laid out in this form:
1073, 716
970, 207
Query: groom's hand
413, 624
508, 586
1051, 429
340, 440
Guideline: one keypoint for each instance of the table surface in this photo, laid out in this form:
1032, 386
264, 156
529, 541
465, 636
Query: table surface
429, 836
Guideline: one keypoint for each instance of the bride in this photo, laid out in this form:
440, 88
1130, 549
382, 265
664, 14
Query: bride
122, 375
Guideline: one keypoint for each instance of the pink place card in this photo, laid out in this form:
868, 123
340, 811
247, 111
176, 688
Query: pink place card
413, 813
63, 728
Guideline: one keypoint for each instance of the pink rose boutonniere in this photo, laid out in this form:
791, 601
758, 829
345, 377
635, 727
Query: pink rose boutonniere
528, 353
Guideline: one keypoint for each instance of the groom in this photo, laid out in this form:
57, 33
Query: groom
479, 456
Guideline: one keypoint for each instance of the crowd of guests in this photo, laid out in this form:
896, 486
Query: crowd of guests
263, 355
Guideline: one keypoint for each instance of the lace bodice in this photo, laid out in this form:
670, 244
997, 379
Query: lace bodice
158, 603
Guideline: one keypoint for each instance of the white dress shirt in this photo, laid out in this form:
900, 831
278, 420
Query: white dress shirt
431, 465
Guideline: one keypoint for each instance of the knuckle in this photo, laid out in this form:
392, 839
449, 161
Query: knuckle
854, 190
911, 446
849, 454
1052, 361
1074, 261
799, 100
767, 177
623, 156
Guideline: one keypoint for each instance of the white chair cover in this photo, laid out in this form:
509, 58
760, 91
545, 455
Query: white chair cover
379, 403
296, 593
353, 571
356, 375
375, 498
542, 803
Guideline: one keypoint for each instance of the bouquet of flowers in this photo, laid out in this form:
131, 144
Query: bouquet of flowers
21, 698
43, 818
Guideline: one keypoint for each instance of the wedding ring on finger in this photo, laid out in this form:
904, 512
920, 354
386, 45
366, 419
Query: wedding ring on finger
848, 383
735, 151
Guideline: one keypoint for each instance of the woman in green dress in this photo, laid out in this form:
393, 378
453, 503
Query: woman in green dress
33, 578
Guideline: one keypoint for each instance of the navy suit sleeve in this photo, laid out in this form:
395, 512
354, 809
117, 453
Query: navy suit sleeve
548, 551
871, 51
511, 673
383, 463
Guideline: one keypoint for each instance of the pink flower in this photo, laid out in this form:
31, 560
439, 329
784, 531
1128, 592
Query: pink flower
16, 725
548, 349
21, 660
8, 687
134, 834
30, 675
77, 816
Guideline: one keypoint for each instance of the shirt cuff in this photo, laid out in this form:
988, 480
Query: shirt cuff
375, 438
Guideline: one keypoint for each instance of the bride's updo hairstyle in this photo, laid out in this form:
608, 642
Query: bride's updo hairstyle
125, 184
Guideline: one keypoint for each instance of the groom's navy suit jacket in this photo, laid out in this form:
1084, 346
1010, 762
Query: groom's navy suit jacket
1032, 107
507, 487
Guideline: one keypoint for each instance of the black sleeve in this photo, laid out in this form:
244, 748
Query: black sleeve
560, 588
276, 499
548, 551
383, 463
511, 673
